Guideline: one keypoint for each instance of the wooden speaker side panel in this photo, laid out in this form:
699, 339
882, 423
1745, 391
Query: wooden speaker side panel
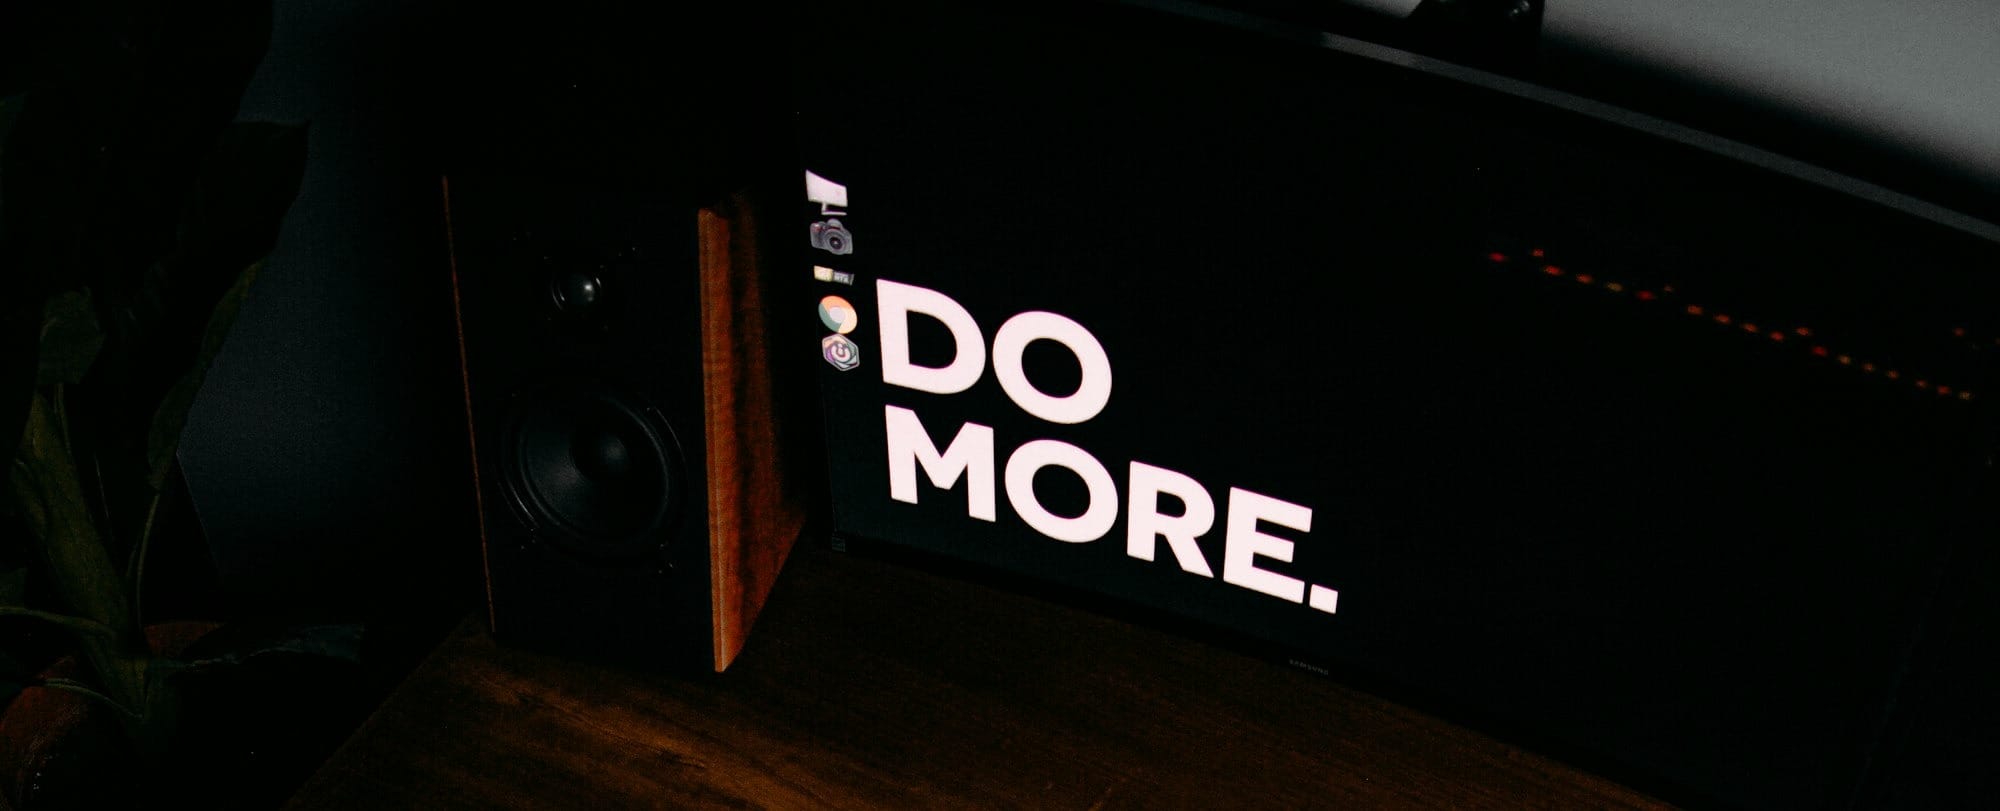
465, 379
756, 510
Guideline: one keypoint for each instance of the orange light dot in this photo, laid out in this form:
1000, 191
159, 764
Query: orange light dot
1747, 327
1722, 319
1965, 395
1585, 278
1893, 374
1552, 270
1868, 367
1944, 390
1803, 332
1668, 288
1923, 384
1777, 336
1614, 287
1693, 310
1846, 360
1821, 351
1539, 253
1958, 332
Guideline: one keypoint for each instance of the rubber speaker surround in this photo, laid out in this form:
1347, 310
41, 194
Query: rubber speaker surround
592, 470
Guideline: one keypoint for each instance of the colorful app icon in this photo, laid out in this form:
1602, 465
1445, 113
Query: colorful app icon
840, 352
838, 315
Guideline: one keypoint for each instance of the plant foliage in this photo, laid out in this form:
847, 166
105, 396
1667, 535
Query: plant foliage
134, 216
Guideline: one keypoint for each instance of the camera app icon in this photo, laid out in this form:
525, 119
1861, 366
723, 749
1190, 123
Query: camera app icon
830, 236
840, 352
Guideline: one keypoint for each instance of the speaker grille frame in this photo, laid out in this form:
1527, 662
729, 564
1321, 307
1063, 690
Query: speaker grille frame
544, 521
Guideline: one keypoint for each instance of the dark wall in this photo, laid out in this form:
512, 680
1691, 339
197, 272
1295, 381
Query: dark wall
327, 454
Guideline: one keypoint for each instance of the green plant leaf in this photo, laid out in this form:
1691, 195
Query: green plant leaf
45, 483
120, 127
70, 338
121, 175
338, 642
160, 713
246, 187
18, 315
163, 439
19, 345
85, 690
43, 479
187, 300
76, 625
183, 88
167, 330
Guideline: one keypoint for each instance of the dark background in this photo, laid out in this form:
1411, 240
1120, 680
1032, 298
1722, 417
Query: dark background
327, 456
1707, 559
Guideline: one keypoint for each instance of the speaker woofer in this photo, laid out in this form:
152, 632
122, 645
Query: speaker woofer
593, 470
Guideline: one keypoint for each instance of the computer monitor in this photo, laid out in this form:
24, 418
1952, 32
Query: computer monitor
1642, 444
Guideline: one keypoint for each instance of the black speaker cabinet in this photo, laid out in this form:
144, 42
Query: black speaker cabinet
632, 502
619, 380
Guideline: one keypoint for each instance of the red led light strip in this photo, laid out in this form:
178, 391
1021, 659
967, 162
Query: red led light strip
1802, 334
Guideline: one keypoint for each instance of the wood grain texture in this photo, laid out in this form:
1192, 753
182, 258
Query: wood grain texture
875, 685
465, 385
754, 511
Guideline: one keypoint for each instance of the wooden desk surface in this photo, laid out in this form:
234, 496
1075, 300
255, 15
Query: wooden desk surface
868, 684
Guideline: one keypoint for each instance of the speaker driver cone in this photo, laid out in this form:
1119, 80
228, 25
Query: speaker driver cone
593, 470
